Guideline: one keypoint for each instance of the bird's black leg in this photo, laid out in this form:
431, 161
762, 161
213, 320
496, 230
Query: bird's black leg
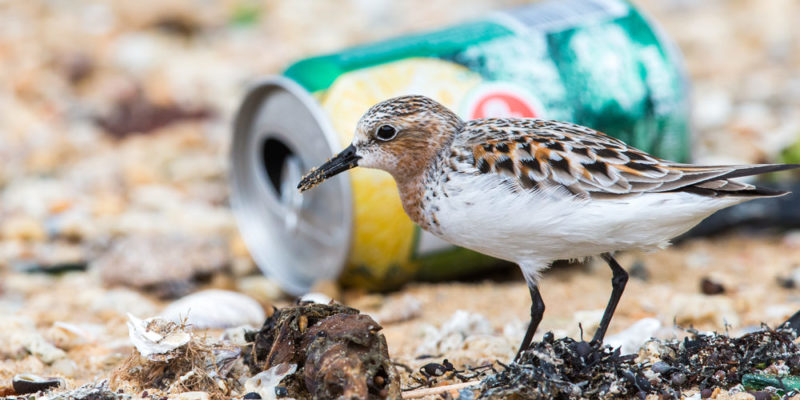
537, 310
618, 281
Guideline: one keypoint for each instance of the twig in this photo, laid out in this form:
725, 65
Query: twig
417, 393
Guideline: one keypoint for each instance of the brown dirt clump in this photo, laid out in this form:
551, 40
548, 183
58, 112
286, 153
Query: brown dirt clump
338, 352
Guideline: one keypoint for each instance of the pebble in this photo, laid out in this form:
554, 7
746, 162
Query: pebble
215, 309
19, 333
65, 367
710, 287
661, 367
639, 271
678, 379
22, 227
193, 396
66, 335
696, 309
398, 309
265, 290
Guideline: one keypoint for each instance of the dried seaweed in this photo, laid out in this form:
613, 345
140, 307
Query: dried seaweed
199, 365
714, 360
568, 369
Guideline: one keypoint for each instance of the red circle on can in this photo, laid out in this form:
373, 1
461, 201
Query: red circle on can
502, 105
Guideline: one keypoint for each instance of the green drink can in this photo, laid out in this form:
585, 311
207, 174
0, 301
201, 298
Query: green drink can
598, 63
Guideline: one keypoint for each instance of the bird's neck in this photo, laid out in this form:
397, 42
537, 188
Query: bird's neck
414, 194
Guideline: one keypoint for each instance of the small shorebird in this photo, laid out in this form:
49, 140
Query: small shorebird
533, 191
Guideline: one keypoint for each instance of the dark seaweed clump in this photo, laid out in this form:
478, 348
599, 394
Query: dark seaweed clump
569, 369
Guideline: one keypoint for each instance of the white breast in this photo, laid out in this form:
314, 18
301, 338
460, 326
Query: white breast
483, 213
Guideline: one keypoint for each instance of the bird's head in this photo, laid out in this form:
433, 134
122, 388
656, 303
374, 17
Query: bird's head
400, 135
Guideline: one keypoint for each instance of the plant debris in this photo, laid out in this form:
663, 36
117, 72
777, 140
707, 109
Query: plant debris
569, 369
170, 359
337, 351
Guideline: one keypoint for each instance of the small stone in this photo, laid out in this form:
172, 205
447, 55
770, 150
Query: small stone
661, 367
705, 393
252, 395
193, 396
742, 396
719, 376
265, 290
639, 271
710, 287
582, 348
398, 310
678, 379
65, 367
761, 395
22, 227
696, 309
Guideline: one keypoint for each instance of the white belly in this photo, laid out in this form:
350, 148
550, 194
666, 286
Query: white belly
535, 228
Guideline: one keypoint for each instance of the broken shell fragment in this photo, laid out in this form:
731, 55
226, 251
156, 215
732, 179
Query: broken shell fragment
156, 338
30, 383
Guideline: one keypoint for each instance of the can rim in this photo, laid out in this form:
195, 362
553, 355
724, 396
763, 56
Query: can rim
249, 227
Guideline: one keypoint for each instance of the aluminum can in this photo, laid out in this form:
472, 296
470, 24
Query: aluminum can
598, 63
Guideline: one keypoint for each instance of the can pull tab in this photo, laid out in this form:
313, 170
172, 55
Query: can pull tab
291, 198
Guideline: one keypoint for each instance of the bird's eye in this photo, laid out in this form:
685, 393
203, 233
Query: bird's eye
386, 132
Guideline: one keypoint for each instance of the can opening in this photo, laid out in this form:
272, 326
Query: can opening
274, 155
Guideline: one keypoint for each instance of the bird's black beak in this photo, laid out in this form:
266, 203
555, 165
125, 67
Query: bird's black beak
343, 161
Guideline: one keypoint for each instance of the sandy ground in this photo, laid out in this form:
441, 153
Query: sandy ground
79, 191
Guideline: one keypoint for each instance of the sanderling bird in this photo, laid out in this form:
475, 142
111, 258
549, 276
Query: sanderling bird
533, 191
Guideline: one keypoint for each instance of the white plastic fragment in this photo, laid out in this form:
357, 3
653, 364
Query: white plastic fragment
264, 382
156, 338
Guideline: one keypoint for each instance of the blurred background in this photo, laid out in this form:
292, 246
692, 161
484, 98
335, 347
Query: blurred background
116, 122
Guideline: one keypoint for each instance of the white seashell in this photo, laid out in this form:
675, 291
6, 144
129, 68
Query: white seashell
155, 338
216, 309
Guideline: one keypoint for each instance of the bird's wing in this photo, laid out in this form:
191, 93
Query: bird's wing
587, 163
